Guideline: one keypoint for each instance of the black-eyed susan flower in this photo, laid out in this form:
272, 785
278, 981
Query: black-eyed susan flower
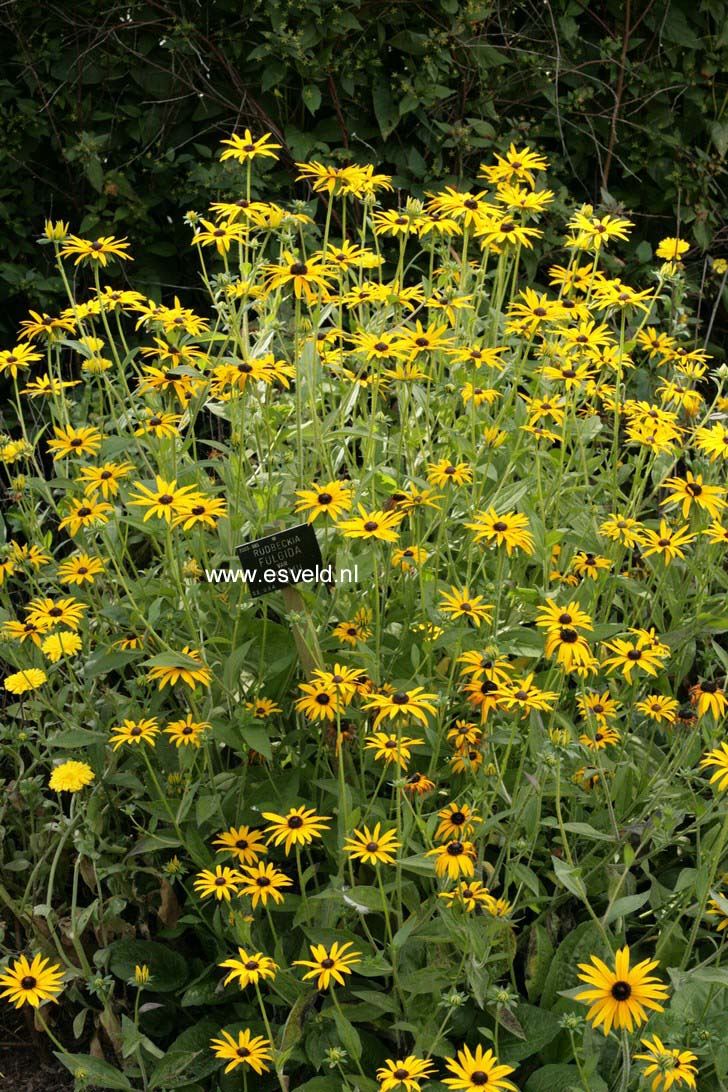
718, 909
403, 705
592, 233
163, 501
620, 997
298, 827
417, 784
667, 541
708, 697
408, 558
589, 565
456, 821
262, 882
220, 235
667, 1066
371, 525
404, 1073
248, 1049
630, 656
23, 631
659, 707
446, 472
135, 731
552, 617
187, 668
320, 701
372, 846
473, 1072
331, 499
244, 842
31, 983
56, 612
467, 760
329, 965
80, 569
71, 776
261, 708
244, 148
454, 859
57, 645
187, 731
343, 680
469, 894
602, 738
623, 529
509, 529
718, 757
461, 604
712, 441
96, 250
156, 423
74, 441
307, 277
357, 629
220, 884
522, 694
603, 707
21, 682
391, 748
248, 967
569, 647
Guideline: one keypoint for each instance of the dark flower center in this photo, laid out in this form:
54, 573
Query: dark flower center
597, 707
83, 512
242, 1052
634, 654
218, 233
298, 269
220, 881
55, 612
500, 526
381, 346
470, 203
372, 847
166, 498
135, 731
488, 686
521, 695
598, 737
351, 631
245, 367
455, 849
390, 744
479, 1077
28, 983
449, 469
242, 843
187, 730
252, 965
263, 881
400, 1073
621, 991
324, 498
76, 441
569, 636
371, 525
421, 342
401, 220
568, 373
565, 619
171, 377
468, 893
327, 963
153, 421
457, 818
295, 822
541, 312
323, 699
400, 698
709, 687
507, 226
97, 246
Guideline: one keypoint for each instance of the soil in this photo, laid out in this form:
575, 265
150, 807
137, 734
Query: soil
26, 1061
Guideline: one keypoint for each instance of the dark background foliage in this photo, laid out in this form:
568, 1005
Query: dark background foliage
111, 113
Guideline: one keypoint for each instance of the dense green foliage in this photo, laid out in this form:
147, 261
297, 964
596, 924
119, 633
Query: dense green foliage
110, 113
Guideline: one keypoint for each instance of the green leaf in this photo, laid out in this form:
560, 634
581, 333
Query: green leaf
172, 1069
561, 1078
168, 969
626, 905
256, 737
569, 877
96, 1071
311, 97
386, 110
348, 1035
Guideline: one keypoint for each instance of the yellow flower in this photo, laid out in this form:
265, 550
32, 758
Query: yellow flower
65, 643
186, 732
31, 983
222, 883
243, 148
298, 827
454, 858
672, 249
461, 604
70, 776
188, 669
619, 998
96, 250
332, 498
247, 1049
263, 881
413, 703
377, 524
246, 844
371, 846
74, 441
23, 681
249, 968
329, 964
406, 1073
